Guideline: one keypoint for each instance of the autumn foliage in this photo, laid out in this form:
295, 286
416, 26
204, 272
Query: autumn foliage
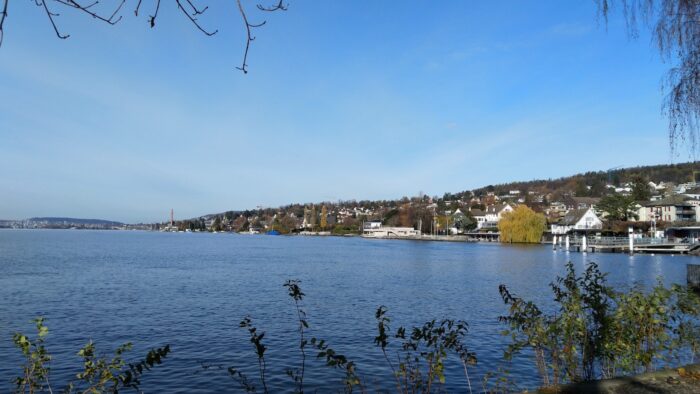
522, 225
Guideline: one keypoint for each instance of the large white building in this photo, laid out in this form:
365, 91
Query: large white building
390, 232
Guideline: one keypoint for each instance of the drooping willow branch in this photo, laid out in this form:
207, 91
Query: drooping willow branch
189, 8
3, 15
675, 25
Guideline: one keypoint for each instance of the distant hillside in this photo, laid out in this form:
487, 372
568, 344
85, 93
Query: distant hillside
536, 194
59, 220
593, 183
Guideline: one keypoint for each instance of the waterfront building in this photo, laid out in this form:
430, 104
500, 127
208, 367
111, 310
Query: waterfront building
374, 229
578, 219
372, 224
494, 213
676, 208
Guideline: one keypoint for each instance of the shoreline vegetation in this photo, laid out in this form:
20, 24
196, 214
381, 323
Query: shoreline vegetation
592, 333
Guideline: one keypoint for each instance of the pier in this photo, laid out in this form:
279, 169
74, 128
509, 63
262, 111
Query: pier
593, 244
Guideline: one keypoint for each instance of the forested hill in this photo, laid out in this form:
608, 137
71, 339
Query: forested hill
535, 193
593, 183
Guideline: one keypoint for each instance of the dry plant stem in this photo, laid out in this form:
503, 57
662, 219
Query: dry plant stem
466, 374
393, 371
301, 346
262, 367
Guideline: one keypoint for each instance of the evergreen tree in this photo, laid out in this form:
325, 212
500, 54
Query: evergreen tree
640, 188
618, 207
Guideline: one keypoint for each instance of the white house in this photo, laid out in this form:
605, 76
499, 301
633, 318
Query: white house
494, 213
578, 219
479, 216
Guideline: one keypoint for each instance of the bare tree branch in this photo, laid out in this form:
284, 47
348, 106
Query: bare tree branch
136, 10
3, 15
86, 9
189, 8
248, 26
195, 10
278, 6
193, 19
51, 15
152, 18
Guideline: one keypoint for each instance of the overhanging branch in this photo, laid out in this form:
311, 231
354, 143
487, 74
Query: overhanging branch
190, 8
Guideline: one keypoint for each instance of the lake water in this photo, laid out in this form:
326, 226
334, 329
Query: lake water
191, 290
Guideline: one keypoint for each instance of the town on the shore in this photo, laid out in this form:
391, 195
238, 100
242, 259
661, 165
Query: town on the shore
656, 201
645, 200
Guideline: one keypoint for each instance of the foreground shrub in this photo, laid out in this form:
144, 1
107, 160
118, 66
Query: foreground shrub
99, 375
420, 352
598, 333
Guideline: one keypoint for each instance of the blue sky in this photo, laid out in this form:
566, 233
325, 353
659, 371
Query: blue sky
344, 100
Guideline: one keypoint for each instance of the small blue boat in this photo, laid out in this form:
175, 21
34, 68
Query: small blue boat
273, 232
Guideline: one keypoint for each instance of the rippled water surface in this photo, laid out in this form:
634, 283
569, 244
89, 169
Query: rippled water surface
191, 290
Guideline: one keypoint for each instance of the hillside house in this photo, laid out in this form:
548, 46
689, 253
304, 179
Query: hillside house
578, 220
676, 208
494, 213
584, 202
479, 216
693, 193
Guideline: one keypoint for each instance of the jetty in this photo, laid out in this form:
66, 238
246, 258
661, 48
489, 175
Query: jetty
631, 244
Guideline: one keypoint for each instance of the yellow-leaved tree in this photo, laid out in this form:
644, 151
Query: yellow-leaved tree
522, 225
324, 217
